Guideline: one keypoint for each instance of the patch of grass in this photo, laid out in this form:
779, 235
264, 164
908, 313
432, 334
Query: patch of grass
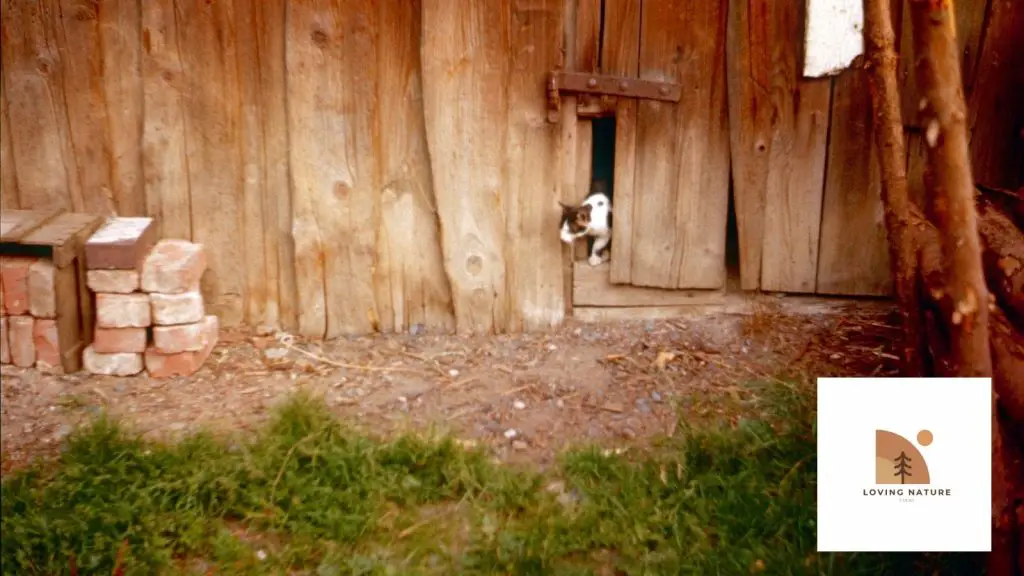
308, 495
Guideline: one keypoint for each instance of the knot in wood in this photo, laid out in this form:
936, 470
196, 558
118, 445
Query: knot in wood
319, 37
474, 264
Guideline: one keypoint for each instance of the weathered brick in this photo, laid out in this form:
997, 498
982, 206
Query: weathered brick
5, 351
173, 267
47, 343
122, 243
123, 310
112, 281
119, 340
15, 277
20, 342
160, 365
172, 309
184, 337
42, 292
121, 364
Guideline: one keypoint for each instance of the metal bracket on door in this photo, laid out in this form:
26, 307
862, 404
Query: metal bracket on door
581, 82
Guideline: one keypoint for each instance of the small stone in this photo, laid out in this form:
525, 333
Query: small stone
123, 310
560, 403
112, 281
519, 445
42, 293
174, 309
836, 356
656, 396
117, 340
14, 275
47, 343
121, 364
453, 372
519, 405
21, 341
173, 267
511, 433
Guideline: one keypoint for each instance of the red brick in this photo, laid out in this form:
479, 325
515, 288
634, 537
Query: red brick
173, 267
5, 351
183, 337
112, 281
122, 364
15, 277
20, 342
123, 310
42, 294
47, 343
160, 365
118, 340
173, 309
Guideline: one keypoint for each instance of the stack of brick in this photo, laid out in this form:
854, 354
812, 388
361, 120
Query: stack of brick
149, 310
28, 314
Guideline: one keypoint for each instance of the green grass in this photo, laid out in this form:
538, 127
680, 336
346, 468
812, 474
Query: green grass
309, 496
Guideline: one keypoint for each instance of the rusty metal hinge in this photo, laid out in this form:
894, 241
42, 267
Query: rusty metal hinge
582, 82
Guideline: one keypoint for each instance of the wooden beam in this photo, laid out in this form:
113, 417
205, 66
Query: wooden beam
592, 287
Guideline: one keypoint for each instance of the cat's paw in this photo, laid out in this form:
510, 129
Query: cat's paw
595, 260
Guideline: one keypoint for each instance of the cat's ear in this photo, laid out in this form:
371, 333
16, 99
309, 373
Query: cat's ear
586, 208
564, 207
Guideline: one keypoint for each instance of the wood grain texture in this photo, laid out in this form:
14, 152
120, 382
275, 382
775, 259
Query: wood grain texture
970, 19
464, 59
748, 73
533, 251
120, 29
77, 31
852, 206
8, 174
211, 99
34, 87
411, 285
620, 56
586, 57
332, 111
591, 287
164, 151
793, 196
994, 111
680, 196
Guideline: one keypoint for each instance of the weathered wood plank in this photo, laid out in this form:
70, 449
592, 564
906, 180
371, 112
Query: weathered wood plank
533, 251
8, 176
76, 28
120, 22
34, 88
970, 18
620, 56
591, 287
994, 113
584, 172
465, 60
852, 206
586, 57
164, 150
680, 204
332, 108
749, 72
213, 122
796, 175
411, 286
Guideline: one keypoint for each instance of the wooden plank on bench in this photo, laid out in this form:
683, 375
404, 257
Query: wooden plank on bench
16, 223
65, 235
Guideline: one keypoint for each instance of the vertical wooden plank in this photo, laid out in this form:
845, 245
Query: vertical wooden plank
568, 153
995, 116
680, 199
793, 196
970, 18
465, 59
8, 176
586, 58
852, 206
120, 28
411, 284
212, 112
164, 152
748, 73
621, 56
332, 112
534, 254
36, 108
76, 28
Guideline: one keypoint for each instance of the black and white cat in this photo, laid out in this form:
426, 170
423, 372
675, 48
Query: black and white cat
593, 217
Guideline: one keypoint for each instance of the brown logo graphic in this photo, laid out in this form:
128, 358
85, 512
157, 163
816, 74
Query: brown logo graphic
898, 461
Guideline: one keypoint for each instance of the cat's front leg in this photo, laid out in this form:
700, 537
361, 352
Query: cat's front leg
600, 243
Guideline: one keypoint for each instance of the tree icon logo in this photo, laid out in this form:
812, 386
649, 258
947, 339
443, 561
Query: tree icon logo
898, 460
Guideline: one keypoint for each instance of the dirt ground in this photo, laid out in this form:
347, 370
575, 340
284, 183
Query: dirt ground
528, 396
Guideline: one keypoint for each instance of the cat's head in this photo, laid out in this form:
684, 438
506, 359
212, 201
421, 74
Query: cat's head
575, 222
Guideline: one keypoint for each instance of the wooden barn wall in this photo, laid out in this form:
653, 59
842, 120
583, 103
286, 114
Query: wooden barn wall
354, 165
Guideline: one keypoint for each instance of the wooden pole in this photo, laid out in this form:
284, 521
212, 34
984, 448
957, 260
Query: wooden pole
888, 129
949, 184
